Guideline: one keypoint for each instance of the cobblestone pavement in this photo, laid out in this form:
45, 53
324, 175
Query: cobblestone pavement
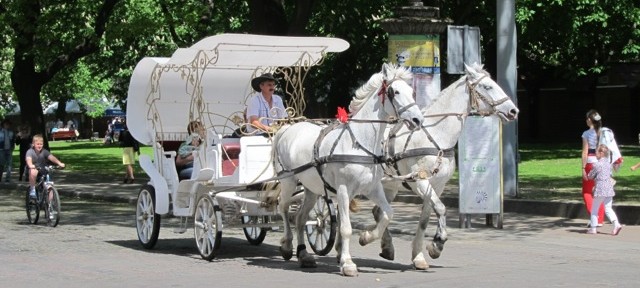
95, 245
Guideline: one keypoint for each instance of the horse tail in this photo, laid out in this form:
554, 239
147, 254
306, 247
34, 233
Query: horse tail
270, 195
354, 206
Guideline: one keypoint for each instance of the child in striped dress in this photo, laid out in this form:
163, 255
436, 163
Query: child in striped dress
603, 190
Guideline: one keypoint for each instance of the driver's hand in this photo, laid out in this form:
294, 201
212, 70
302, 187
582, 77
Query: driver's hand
61, 165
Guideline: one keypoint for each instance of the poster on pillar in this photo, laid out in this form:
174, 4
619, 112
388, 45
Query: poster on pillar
422, 54
480, 166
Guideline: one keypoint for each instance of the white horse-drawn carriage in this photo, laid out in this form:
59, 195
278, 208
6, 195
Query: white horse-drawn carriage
385, 136
210, 83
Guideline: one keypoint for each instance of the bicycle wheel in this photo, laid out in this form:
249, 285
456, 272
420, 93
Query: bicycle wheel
52, 201
33, 211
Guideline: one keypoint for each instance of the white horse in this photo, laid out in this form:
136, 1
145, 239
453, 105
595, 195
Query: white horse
427, 153
343, 159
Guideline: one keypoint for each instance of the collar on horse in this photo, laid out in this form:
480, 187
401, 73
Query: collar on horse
394, 157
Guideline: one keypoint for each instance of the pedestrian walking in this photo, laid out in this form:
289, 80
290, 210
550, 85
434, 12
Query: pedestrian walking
24, 140
130, 146
7, 144
603, 191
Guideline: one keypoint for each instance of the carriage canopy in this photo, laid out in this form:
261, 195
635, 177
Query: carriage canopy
210, 81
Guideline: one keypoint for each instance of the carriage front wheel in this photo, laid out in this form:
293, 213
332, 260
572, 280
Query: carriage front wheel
207, 225
321, 226
147, 221
255, 235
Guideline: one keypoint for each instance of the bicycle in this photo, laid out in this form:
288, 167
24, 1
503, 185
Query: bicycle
50, 204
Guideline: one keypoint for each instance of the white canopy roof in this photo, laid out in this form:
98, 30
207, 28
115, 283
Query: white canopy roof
211, 79
72, 107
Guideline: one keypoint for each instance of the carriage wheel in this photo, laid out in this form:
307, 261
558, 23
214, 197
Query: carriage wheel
33, 210
147, 221
207, 226
321, 226
255, 235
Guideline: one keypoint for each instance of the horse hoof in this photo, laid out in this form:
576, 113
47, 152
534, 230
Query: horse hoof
349, 270
286, 254
388, 253
307, 261
420, 264
363, 238
433, 250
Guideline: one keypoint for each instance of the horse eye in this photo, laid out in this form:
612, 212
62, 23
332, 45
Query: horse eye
487, 87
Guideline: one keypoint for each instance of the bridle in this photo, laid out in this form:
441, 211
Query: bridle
394, 156
475, 97
387, 90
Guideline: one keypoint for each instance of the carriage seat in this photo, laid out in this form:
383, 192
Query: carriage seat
172, 146
230, 157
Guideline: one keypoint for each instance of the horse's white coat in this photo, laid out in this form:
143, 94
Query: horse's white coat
293, 147
445, 131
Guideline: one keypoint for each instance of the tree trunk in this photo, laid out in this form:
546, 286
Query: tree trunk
27, 86
268, 17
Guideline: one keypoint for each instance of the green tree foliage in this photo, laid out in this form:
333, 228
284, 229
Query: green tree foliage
59, 50
579, 37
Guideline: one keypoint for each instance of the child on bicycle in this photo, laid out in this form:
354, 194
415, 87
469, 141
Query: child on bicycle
36, 159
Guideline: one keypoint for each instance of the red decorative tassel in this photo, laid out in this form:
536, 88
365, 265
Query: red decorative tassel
342, 115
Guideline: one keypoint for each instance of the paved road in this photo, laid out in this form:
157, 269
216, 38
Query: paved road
95, 245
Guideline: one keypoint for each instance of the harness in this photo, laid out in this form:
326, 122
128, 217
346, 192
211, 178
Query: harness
370, 159
393, 157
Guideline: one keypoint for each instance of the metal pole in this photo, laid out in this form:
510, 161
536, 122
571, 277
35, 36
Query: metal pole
507, 79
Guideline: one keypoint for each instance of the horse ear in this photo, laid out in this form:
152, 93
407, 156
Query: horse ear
467, 68
385, 70
471, 70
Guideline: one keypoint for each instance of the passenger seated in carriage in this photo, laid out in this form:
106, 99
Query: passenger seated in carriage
184, 161
264, 106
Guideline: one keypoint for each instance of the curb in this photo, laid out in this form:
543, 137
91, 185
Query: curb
98, 197
627, 214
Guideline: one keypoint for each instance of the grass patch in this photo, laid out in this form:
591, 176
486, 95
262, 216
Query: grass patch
546, 172
90, 157
553, 172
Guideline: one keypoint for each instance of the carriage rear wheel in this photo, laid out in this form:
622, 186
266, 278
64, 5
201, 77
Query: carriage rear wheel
207, 226
147, 221
321, 226
255, 235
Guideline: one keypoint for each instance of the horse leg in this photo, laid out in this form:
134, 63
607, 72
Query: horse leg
378, 198
437, 245
338, 245
387, 251
347, 267
287, 187
305, 259
424, 189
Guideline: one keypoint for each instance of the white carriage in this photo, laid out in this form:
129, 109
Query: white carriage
210, 83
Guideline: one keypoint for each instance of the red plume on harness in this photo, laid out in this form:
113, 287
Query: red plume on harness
383, 91
342, 115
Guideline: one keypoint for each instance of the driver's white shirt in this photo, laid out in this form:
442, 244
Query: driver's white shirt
258, 106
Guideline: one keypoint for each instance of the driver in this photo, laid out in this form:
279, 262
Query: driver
264, 104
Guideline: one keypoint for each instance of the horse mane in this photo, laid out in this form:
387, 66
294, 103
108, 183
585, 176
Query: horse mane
375, 82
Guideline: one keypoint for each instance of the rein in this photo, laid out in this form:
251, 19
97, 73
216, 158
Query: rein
474, 99
370, 158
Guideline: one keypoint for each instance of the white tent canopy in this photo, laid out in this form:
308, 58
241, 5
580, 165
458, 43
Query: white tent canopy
211, 78
72, 107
